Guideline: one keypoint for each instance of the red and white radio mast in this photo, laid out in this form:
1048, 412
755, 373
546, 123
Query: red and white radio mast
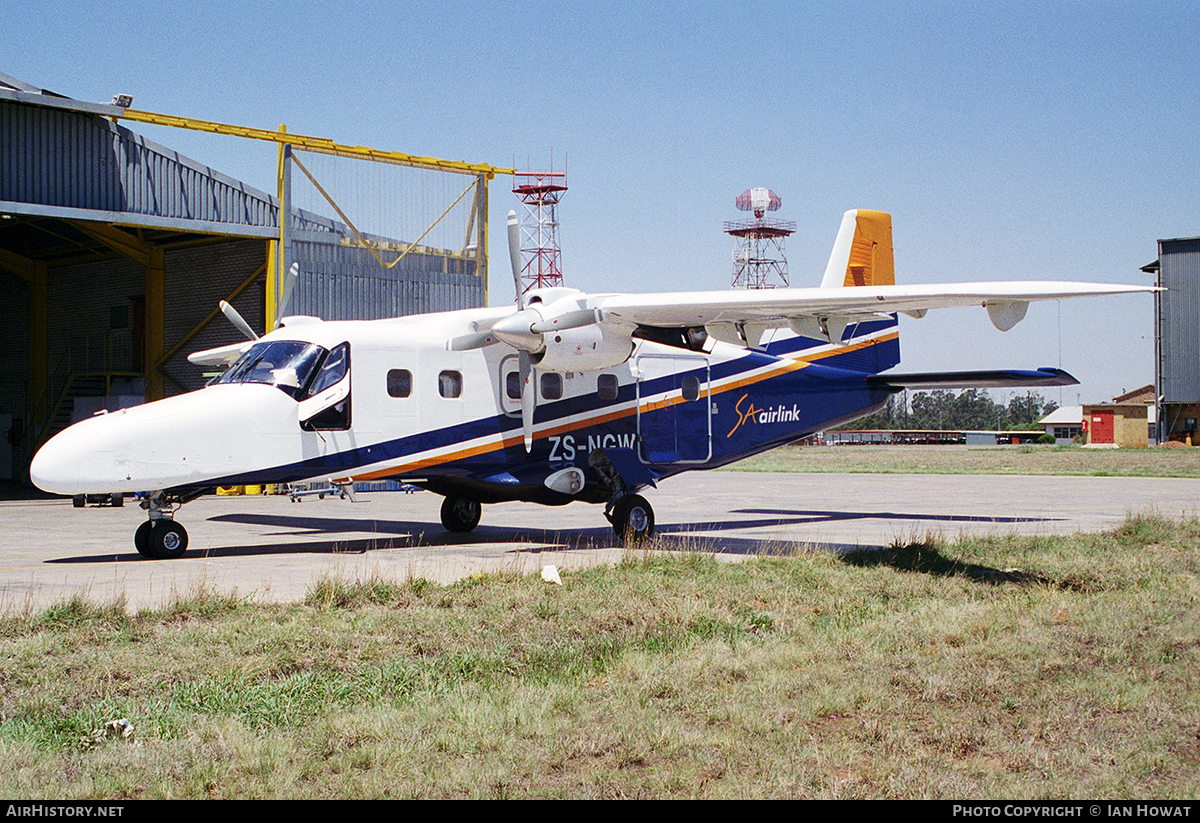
541, 258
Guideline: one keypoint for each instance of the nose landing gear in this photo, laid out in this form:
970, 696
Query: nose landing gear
160, 537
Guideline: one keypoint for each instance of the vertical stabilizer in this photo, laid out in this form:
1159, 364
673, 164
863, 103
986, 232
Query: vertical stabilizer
862, 252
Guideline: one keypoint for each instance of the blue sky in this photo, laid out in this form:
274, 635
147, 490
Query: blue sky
1052, 140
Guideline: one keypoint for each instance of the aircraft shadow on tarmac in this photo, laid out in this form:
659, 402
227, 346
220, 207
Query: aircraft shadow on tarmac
403, 534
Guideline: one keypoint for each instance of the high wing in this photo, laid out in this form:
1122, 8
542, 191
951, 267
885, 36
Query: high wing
781, 307
561, 329
859, 282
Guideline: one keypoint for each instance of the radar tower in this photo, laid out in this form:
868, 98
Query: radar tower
759, 261
541, 258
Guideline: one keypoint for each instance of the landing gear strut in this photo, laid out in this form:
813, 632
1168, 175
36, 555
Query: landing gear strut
460, 515
160, 537
632, 519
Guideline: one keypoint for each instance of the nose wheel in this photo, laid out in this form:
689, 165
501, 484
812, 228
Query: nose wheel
160, 539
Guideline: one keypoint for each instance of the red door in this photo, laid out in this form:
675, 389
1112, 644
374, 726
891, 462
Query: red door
1102, 427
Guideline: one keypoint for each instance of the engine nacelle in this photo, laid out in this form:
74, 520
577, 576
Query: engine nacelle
584, 349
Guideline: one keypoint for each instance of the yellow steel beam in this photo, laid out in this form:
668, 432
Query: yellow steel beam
318, 144
122, 242
275, 248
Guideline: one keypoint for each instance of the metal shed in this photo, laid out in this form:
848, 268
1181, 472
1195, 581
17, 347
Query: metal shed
1177, 337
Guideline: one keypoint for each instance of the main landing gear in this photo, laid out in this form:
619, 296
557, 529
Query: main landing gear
160, 537
632, 518
460, 515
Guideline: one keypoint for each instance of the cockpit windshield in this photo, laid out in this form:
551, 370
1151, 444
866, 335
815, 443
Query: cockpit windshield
285, 364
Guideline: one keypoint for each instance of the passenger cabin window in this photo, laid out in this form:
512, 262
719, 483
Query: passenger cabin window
607, 386
399, 382
552, 385
690, 386
512, 385
450, 384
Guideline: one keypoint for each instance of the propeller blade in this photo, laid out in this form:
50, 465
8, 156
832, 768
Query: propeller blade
289, 285
220, 356
566, 320
514, 252
236, 319
475, 340
528, 397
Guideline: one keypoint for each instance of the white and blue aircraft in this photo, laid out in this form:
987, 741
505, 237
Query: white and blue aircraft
568, 397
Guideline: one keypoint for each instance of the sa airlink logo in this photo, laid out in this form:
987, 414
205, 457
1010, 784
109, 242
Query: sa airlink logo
750, 414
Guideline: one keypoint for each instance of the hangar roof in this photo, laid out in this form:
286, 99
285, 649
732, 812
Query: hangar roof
65, 161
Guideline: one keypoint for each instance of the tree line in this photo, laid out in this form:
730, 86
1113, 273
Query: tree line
969, 409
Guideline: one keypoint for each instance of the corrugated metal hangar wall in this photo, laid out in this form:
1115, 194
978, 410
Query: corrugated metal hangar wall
1177, 333
114, 252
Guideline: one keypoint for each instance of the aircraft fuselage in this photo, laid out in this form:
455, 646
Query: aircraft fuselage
406, 407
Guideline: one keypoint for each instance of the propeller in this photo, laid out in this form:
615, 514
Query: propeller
289, 286
514, 256
524, 355
528, 397
525, 331
237, 320
240, 323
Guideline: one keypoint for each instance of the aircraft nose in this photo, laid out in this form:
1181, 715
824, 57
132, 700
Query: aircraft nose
55, 468
81, 458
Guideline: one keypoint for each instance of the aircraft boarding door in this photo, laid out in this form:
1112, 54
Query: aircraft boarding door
673, 421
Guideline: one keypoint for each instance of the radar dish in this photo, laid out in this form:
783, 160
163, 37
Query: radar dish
759, 200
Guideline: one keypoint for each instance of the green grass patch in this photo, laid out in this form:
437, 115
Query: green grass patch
1008, 460
997, 667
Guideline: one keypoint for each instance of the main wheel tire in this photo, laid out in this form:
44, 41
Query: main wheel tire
141, 538
167, 539
116, 499
633, 519
79, 501
460, 515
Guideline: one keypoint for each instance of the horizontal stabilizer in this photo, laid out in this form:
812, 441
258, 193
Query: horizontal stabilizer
1002, 379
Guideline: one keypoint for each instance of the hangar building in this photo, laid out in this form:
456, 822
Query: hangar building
1177, 338
115, 251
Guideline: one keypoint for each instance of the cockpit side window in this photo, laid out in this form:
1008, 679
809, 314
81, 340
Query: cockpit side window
336, 364
334, 406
